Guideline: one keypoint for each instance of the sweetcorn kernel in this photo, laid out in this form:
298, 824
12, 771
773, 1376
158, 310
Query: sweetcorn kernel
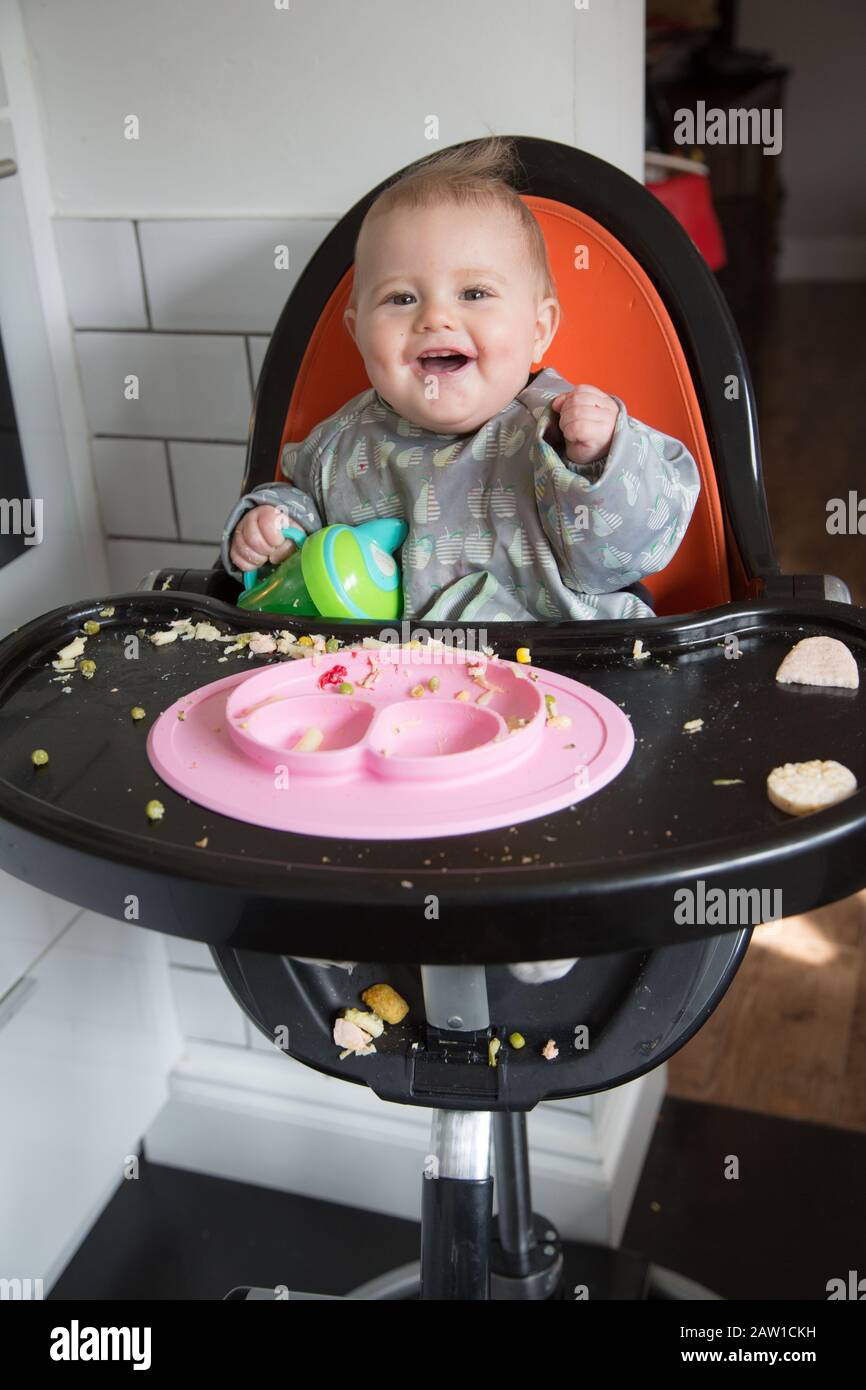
523, 655
154, 810
137, 712
39, 757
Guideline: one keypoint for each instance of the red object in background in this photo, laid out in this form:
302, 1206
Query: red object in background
687, 196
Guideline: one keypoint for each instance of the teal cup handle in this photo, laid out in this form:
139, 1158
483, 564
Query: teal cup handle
291, 533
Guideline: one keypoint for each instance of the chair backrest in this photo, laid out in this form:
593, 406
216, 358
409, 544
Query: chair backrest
616, 333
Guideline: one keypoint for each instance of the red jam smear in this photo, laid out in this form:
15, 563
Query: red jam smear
335, 676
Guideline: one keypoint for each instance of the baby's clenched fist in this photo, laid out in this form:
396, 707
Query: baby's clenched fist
258, 537
587, 418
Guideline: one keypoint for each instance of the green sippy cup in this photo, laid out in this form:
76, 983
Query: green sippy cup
338, 572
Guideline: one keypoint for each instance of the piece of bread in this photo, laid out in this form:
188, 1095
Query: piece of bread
819, 661
799, 788
386, 1002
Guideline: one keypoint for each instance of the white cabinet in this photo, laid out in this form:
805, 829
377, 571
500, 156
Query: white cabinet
83, 1067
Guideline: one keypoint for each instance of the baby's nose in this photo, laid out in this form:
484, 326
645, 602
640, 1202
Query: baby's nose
436, 314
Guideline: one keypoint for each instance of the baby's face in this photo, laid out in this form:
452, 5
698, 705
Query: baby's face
454, 279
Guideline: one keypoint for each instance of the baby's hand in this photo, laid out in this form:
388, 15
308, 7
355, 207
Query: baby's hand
587, 418
258, 537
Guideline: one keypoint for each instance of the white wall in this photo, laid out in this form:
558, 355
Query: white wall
259, 126
824, 132
247, 109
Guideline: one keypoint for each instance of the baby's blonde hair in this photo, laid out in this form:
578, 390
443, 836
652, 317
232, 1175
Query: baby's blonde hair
483, 172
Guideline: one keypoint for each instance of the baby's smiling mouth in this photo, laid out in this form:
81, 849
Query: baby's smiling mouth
441, 361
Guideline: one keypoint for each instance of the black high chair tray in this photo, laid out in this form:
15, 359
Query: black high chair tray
595, 878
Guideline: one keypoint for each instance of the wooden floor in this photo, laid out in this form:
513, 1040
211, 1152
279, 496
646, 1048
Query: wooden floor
789, 1038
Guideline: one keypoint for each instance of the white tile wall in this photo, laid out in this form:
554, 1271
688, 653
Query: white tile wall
191, 386
134, 489
187, 306
101, 270
220, 276
207, 483
258, 348
130, 561
205, 1007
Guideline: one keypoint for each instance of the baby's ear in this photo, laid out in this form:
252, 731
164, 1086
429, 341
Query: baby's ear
349, 317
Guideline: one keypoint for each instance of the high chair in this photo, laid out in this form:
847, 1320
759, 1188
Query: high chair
642, 317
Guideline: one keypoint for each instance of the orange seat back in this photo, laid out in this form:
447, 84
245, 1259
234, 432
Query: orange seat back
616, 334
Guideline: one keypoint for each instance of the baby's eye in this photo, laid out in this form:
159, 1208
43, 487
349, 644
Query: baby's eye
478, 289
399, 294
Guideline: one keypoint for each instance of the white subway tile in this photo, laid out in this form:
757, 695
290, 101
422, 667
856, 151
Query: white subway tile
130, 561
134, 491
190, 386
101, 273
205, 1007
258, 348
221, 275
207, 483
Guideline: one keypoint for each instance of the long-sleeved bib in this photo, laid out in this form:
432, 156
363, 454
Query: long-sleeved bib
501, 524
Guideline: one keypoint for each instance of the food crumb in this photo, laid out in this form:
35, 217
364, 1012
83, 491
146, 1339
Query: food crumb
202, 844
692, 726
727, 781
386, 1003
550, 1050
638, 652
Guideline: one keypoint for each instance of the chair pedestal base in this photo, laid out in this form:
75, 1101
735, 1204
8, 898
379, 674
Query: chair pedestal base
616, 1274
467, 1256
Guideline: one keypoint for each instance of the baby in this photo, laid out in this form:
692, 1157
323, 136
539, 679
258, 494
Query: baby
526, 497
